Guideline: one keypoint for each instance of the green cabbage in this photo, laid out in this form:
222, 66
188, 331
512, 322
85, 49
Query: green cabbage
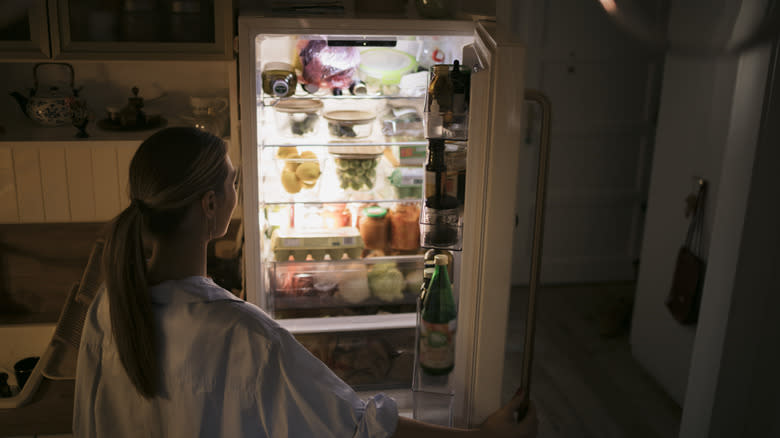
386, 282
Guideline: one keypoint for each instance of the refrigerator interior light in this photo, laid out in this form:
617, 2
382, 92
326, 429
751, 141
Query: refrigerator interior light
361, 41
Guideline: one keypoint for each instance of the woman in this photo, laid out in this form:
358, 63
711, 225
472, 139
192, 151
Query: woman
167, 352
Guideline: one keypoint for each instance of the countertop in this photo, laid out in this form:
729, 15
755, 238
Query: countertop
49, 412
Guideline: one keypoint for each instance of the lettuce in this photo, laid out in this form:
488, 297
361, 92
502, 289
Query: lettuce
386, 282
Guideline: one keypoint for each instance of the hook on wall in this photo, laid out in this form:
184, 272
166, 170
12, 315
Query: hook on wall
693, 200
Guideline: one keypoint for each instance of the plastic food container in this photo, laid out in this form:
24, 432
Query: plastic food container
349, 124
317, 243
382, 68
298, 117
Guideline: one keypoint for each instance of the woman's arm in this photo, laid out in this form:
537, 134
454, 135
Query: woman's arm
500, 424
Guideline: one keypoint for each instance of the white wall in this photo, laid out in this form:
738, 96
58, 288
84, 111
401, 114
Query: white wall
733, 384
603, 86
710, 109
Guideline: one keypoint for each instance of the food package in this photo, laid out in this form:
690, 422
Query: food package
327, 67
316, 243
353, 283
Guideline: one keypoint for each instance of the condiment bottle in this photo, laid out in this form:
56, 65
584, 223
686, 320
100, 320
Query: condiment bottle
440, 90
439, 318
279, 79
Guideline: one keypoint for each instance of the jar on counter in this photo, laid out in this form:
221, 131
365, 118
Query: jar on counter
405, 227
374, 227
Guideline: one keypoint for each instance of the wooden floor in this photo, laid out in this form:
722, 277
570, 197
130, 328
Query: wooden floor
585, 382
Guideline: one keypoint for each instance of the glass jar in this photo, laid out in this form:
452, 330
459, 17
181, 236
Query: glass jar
405, 227
374, 227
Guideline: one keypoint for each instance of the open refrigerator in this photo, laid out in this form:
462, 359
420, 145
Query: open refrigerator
333, 149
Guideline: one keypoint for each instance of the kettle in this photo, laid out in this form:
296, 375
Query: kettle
49, 104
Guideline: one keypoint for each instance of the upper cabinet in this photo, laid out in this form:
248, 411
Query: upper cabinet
24, 31
120, 30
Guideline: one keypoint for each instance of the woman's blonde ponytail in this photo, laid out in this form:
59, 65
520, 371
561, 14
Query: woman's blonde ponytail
130, 306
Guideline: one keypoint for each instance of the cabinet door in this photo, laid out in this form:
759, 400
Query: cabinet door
141, 29
24, 31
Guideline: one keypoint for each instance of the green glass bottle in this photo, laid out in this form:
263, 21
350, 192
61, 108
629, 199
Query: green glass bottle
438, 322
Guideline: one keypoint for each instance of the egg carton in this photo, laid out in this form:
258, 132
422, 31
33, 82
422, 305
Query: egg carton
301, 244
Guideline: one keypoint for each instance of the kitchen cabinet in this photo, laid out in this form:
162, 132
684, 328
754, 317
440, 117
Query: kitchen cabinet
118, 30
24, 32
141, 29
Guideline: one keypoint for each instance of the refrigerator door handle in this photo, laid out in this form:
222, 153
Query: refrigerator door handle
536, 246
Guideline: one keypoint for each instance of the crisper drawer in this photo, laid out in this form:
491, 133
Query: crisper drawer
368, 286
366, 360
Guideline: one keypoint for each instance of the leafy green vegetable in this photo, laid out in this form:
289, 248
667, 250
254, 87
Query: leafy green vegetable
386, 282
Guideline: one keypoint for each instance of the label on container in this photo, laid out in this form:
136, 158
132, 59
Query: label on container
291, 243
437, 344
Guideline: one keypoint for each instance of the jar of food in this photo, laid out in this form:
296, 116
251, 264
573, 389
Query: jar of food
279, 79
405, 227
374, 227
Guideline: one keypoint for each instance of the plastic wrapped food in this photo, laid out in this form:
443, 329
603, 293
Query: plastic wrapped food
386, 282
327, 67
353, 283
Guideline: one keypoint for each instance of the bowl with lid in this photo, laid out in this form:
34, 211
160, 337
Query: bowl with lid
349, 124
298, 117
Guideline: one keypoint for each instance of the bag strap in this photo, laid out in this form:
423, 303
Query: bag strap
694, 236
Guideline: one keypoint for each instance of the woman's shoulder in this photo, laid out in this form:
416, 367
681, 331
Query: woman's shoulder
237, 315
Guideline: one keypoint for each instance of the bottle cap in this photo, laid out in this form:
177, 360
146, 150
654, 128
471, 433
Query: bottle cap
441, 260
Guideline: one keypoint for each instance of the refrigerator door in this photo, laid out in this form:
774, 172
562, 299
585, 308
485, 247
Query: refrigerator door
495, 133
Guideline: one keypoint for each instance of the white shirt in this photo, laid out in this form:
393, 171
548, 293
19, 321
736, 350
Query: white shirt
227, 370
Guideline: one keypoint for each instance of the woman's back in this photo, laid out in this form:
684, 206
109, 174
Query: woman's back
226, 370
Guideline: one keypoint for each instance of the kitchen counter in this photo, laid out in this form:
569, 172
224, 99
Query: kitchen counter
49, 412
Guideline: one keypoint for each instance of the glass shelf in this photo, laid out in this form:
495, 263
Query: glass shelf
405, 259
281, 143
343, 201
332, 180
272, 100
280, 129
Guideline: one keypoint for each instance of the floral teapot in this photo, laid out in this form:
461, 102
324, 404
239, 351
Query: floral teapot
50, 104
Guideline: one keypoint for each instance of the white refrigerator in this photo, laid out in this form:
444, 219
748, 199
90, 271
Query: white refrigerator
309, 259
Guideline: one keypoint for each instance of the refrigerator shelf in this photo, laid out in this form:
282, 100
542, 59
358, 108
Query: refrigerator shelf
278, 129
341, 201
361, 323
270, 101
285, 302
414, 258
325, 144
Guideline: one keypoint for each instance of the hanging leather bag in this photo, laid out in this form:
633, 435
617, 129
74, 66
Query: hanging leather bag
685, 293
